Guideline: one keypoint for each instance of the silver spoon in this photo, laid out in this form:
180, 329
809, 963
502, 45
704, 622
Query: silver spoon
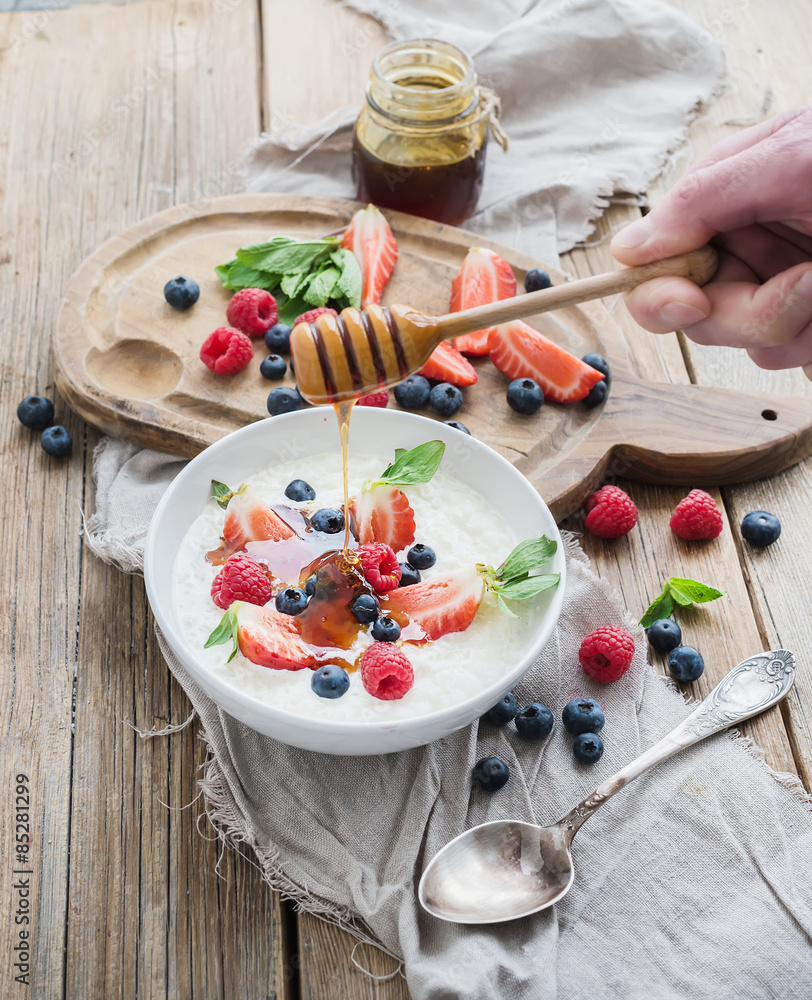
508, 869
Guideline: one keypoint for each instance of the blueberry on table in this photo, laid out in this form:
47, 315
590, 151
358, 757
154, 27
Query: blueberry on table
421, 556
284, 400
457, 426
587, 748
536, 279
408, 575
534, 722
330, 520
445, 399
503, 711
35, 412
277, 339
181, 293
685, 663
583, 715
664, 635
385, 630
299, 490
366, 608
491, 774
596, 395
56, 441
760, 528
330, 681
291, 601
412, 393
599, 363
524, 395
273, 367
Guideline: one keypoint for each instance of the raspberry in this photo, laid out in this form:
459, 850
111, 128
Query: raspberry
313, 314
226, 351
381, 567
697, 518
241, 579
610, 513
606, 654
375, 399
385, 671
252, 310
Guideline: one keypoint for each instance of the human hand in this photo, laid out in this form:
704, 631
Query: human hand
751, 198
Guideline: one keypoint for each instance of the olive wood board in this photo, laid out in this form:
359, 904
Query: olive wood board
129, 363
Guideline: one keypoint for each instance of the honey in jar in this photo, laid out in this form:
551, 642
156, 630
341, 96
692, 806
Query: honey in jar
420, 140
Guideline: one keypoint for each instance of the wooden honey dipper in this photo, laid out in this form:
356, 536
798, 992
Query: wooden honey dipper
338, 358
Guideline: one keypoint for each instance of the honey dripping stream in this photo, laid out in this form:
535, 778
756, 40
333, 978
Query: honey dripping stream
343, 414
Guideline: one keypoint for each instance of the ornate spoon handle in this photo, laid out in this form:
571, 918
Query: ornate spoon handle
754, 685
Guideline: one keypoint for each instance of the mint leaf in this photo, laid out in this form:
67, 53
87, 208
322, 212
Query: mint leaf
521, 590
235, 275
694, 590
285, 255
291, 283
660, 607
320, 286
226, 631
503, 607
680, 598
526, 557
414, 467
349, 283
221, 493
290, 308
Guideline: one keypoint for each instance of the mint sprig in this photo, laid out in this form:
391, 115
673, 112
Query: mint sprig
517, 578
226, 631
678, 591
222, 493
411, 468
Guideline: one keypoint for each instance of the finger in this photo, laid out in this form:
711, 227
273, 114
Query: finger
765, 253
796, 354
807, 370
746, 138
667, 304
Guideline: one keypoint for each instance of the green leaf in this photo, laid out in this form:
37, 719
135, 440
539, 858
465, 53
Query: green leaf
679, 596
235, 275
414, 467
693, 589
528, 556
226, 631
290, 308
660, 607
320, 286
399, 452
522, 590
504, 608
285, 255
349, 282
221, 493
291, 283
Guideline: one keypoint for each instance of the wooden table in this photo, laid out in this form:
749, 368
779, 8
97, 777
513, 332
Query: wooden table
110, 113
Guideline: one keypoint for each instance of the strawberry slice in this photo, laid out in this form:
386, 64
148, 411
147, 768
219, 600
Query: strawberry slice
446, 364
519, 351
369, 237
383, 514
441, 605
248, 519
263, 636
484, 277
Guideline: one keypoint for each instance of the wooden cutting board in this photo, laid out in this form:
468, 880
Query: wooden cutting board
129, 363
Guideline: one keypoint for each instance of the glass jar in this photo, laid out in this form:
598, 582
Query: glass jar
420, 140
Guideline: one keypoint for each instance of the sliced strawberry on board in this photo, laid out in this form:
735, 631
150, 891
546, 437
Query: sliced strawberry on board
446, 364
383, 514
263, 636
372, 242
484, 277
519, 351
441, 605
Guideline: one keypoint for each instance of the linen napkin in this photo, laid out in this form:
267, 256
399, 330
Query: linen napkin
693, 882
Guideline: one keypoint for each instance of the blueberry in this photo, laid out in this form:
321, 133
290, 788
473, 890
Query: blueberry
277, 339
310, 585
457, 426
421, 556
583, 715
273, 367
330, 681
291, 601
413, 392
503, 711
366, 608
536, 279
408, 575
445, 399
491, 774
664, 635
596, 395
330, 520
759, 528
534, 722
56, 441
587, 748
284, 400
299, 490
35, 412
685, 663
385, 630
181, 293
599, 363
525, 396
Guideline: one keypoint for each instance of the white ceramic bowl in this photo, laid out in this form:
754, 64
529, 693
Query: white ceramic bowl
311, 432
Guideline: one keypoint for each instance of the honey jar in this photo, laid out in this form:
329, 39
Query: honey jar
420, 140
